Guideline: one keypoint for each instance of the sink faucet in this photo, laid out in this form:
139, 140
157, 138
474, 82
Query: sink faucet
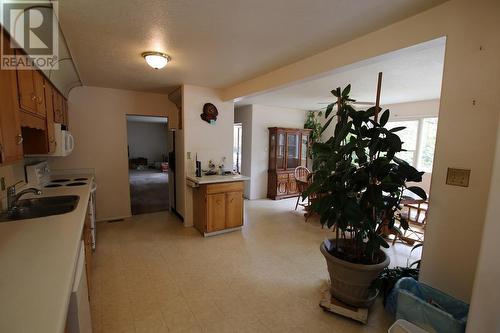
13, 197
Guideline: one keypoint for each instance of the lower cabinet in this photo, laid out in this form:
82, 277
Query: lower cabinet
218, 207
281, 184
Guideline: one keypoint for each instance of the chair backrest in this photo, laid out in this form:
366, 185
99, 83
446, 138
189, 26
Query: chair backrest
301, 173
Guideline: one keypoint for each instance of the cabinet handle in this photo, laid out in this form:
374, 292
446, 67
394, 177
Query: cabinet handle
33, 97
20, 139
39, 100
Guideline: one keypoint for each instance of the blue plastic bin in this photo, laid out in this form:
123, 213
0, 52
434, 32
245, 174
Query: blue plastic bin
426, 307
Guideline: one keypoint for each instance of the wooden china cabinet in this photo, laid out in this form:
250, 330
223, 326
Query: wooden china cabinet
288, 149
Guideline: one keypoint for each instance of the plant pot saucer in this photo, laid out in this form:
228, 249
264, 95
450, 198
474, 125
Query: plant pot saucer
333, 305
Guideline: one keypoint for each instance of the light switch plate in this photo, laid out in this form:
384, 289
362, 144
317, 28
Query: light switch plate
458, 177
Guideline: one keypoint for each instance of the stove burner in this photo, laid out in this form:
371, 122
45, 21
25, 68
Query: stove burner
62, 180
53, 185
76, 184
80, 179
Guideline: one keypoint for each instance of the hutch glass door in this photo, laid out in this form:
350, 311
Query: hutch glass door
293, 150
280, 153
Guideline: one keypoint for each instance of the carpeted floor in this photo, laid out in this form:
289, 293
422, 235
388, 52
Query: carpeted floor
148, 191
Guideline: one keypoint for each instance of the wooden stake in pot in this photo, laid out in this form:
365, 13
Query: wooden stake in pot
377, 101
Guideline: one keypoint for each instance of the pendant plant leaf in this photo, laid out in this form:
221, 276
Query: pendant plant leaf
326, 125
329, 109
397, 129
384, 117
346, 91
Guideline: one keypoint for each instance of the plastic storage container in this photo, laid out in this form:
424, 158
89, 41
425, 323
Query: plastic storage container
426, 307
403, 326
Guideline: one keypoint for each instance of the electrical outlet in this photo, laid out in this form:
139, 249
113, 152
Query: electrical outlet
458, 177
2, 183
188, 155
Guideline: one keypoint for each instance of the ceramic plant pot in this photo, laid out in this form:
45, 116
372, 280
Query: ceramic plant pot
349, 282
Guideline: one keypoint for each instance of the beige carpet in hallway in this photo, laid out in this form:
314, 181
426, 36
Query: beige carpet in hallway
151, 274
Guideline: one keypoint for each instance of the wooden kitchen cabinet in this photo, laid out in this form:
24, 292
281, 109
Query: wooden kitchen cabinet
234, 209
39, 83
65, 112
11, 148
288, 149
216, 212
26, 88
49, 96
218, 207
58, 102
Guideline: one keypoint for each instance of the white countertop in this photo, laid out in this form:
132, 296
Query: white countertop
37, 266
216, 179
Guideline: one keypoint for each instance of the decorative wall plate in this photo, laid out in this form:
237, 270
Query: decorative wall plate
210, 113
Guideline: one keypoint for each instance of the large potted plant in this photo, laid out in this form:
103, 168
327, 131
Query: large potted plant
359, 181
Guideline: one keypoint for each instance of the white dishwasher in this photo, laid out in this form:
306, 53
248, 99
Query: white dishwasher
79, 308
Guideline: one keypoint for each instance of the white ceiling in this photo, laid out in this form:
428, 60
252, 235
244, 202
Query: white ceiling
213, 43
411, 74
147, 119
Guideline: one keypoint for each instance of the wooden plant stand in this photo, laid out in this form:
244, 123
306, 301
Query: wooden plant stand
331, 304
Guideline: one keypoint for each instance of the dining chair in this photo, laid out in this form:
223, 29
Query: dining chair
301, 175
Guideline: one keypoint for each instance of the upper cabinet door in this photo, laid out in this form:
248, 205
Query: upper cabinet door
50, 117
58, 107
292, 150
27, 96
39, 83
11, 148
280, 153
65, 112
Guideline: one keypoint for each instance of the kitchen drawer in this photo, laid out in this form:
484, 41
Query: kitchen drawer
282, 176
225, 187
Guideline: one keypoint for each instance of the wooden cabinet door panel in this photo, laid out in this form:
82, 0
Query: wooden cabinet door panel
11, 148
292, 186
58, 107
216, 204
234, 209
27, 96
282, 186
65, 112
39, 84
50, 118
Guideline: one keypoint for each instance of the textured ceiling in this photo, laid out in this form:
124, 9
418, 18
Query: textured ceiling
411, 74
213, 43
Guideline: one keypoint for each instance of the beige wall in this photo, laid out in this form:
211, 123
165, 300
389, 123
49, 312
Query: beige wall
98, 124
466, 133
243, 115
415, 109
484, 315
262, 118
209, 141
148, 140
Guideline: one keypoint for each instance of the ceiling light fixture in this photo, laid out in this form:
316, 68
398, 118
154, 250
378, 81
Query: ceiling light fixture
156, 60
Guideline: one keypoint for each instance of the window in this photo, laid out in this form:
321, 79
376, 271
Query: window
237, 148
419, 139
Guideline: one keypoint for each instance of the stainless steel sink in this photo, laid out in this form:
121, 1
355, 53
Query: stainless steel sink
40, 207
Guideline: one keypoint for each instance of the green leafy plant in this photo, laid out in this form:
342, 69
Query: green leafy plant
389, 276
359, 180
313, 122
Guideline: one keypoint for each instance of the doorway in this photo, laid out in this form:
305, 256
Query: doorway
149, 146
